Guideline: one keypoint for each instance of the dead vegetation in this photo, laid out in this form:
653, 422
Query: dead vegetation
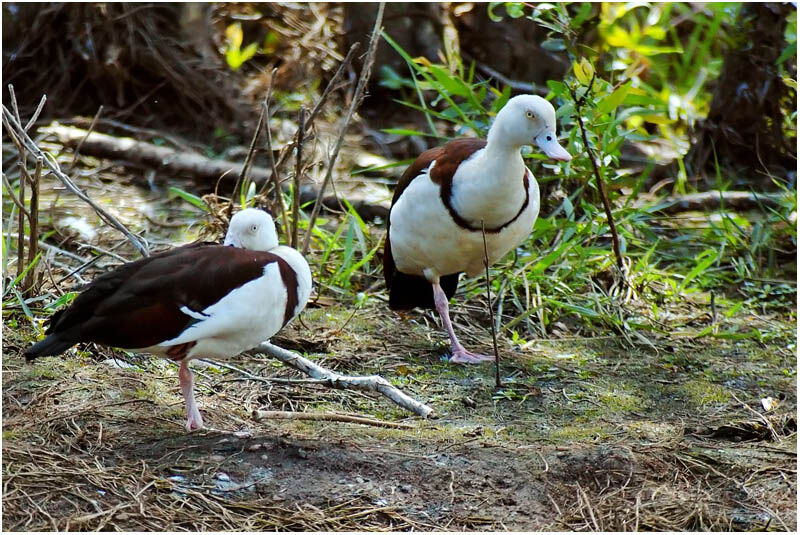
665, 450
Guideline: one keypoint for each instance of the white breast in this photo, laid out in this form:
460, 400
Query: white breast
425, 237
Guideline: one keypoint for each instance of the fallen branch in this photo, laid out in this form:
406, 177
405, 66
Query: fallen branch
163, 159
372, 383
326, 417
716, 200
195, 166
20, 138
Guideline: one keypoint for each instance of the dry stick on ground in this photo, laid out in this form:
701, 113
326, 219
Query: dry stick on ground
172, 162
17, 133
298, 170
285, 151
372, 383
359, 91
327, 417
497, 382
601, 185
241, 180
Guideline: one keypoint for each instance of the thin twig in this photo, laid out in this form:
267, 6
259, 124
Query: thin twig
21, 217
13, 195
328, 89
331, 85
601, 185
327, 416
497, 382
298, 170
77, 151
241, 180
35, 116
362, 82
274, 169
372, 383
33, 224
12, 125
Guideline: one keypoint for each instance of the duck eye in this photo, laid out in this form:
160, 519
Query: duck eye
529, 114
549, 138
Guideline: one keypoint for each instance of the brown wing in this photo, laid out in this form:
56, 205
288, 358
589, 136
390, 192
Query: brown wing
138, 305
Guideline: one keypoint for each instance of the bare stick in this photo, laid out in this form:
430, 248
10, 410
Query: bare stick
13, 98
345, 63
275, 178
327, 417
21, 217
362, 82
497, 382
328, 89
35, 116
33, 222
13, 195
601, 185
372, 383
14, 126
77, 151
298, 170
241, 181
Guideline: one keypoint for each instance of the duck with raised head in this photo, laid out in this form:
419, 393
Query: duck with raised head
450, 194
200, 300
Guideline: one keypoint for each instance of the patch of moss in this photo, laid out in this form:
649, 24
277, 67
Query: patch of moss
701, 392
620, 398
580, 433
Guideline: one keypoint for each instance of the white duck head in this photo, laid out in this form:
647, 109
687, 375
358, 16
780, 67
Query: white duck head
528, 119
252, 229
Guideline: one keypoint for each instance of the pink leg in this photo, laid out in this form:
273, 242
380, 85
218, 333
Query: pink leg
459, 354
193, 418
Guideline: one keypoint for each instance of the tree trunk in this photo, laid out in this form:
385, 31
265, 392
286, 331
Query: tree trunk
744, 127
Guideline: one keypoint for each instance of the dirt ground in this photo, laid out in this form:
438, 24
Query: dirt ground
586, 434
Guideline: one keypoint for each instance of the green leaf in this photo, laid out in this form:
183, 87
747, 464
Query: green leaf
405, 132
788, 52
515, 10
490, 11
704, 260
249, 51
61, 301
234, 35
612, 101
192, 199
558, 88
22, 275
450, 83
555, 45
583, 71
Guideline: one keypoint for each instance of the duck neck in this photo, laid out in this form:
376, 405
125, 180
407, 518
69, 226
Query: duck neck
490, 187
